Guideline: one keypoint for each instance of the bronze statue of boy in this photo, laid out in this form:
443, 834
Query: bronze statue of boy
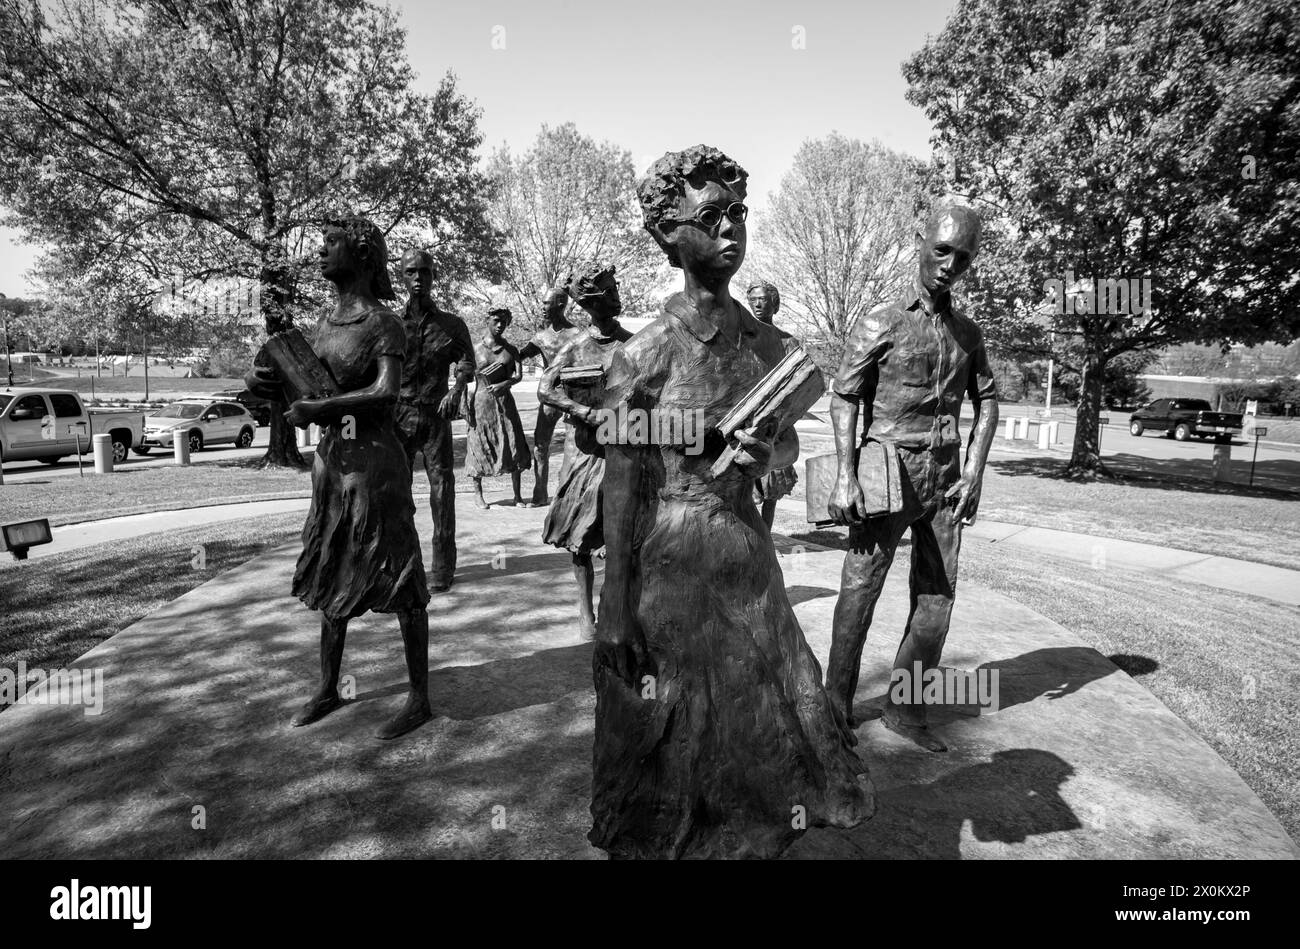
906, 368
435, 341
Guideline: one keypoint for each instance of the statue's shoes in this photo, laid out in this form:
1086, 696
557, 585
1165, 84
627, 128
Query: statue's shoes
316, 709
414, 714
916, 733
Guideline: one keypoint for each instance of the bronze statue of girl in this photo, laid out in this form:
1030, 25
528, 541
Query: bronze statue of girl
496, 443
360, 550
711, 719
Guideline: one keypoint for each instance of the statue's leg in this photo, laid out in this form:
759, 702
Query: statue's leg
415, 642
442, 500
585, 576
936, 542
871, 551
542, 433
332, 634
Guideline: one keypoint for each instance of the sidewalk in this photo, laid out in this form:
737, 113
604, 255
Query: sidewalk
1077, 761
1223, 573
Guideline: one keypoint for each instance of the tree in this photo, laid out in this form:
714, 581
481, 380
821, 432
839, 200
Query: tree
567, 201
164, 142
837, 237
1121, 387
1118, 139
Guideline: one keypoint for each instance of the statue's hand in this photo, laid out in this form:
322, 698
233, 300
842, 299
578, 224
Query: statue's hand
264, 382
964, 496
617, 642
303, 413
847, 504
754, 458
497, 388
447, 407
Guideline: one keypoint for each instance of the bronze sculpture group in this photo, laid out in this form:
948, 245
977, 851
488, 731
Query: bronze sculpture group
713, 719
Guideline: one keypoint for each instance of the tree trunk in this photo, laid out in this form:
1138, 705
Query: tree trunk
282, 451
1085, 458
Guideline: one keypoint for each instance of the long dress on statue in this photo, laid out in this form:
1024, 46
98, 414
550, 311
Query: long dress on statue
712, 755
360, 550
495, 444
573, 522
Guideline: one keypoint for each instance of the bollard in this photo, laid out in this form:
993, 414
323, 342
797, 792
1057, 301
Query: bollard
1222, 464
1044, 434
314, 431
1055, 436
181, 448
1011, 428
304, 437
103, 448
1022, 427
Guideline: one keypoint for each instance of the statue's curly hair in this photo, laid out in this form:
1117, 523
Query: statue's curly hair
768, 288
664, 185
362, 232
586, 281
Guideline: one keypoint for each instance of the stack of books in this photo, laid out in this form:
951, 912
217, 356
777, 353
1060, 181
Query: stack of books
878, 474
778, 401
303, 375
582, 377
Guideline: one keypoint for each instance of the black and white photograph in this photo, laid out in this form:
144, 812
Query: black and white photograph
585, 431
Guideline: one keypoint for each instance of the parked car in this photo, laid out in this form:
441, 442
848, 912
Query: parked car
1183, 418
258, 407
50, 424
202, 421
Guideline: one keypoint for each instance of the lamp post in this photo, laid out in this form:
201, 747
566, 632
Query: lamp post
4, 319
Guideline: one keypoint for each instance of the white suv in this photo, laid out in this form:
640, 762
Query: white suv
201, 421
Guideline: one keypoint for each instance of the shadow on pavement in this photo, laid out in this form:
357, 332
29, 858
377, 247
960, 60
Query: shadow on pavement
1013, 796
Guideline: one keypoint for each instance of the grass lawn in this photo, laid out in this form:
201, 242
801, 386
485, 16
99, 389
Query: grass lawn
68, 500
1226, 664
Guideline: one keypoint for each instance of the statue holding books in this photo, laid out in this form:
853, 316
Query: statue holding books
764, 300
574, 384
435, 342
495, 443
545, 344
360, 551
711, 718
906, 368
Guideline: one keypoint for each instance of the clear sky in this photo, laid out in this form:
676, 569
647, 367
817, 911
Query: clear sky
659, 75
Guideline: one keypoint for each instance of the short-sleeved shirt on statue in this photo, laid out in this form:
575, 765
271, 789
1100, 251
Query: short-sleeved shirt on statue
914, 367
351, 345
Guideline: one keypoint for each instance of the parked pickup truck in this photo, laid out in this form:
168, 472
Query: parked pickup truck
1183, 418
49, 424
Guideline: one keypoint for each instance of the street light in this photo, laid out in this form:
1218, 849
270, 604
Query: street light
4, 319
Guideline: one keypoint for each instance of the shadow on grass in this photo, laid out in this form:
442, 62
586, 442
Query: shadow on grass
1168, 474
1134, 665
